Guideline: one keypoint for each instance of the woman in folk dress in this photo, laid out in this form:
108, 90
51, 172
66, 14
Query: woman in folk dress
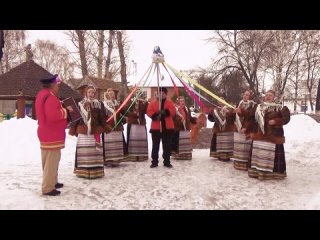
268, 156
114, 141
242, 142
182, 124
223, 131
137, 138
89, 158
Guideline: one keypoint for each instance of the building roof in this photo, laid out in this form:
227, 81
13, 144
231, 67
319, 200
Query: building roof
24, 80
99, 83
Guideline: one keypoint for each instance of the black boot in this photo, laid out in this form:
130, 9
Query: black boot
52, 193
59, 185
168, 165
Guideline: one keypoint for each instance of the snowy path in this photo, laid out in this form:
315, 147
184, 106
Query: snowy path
201, 183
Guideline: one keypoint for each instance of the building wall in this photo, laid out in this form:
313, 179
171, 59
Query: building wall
300, 103
7, 106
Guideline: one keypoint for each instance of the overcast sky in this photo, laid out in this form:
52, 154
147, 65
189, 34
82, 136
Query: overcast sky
183, 49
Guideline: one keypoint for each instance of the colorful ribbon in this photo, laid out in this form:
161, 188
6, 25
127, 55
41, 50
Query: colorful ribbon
190, 80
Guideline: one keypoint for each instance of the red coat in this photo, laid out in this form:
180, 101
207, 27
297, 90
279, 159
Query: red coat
153, 108
52, 120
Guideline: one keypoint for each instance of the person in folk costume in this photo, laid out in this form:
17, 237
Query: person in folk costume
268, 157
182, 124
52, 122
162, 127
175, 135
89, 158
114, 141
137, 139
201, 121
212, 117
223, 130
242, 141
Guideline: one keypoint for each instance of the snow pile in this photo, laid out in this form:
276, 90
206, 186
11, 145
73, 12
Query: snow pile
20, 144
302, 126
19, 141
302, 139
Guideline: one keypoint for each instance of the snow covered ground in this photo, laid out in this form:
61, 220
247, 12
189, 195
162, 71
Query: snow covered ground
201, 183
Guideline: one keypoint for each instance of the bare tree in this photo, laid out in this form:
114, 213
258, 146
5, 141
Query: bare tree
1, 43
243, 50
232, 86
312, 61
100, 52
13, 52
95, 52
318, 99
287, 44
82, 51
53, 58
294, 81
78, 38
121, 42
108, 60
94, 49
91, 54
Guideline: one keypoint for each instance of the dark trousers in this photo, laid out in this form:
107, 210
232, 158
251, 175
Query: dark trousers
125, 147
128, 139
166, 145
175, 141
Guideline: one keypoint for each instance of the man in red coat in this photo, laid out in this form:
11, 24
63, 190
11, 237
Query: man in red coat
162, 127
52, 122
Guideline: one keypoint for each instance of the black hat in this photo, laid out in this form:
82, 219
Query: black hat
53, 79
163, 89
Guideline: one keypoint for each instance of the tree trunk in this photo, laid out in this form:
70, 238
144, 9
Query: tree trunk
310, 100
123, 64
6, 54
295, 99
108, 61
82, 52
1, 68
100, 53
7, 64
318, 100
1, 43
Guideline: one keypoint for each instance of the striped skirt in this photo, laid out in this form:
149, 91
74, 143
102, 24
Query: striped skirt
89, 159
267, 161
137, 143
113, 148
241, 151
184, 147
213, 148
225, 145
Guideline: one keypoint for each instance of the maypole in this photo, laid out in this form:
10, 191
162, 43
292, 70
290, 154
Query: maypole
129, 96
158, 57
